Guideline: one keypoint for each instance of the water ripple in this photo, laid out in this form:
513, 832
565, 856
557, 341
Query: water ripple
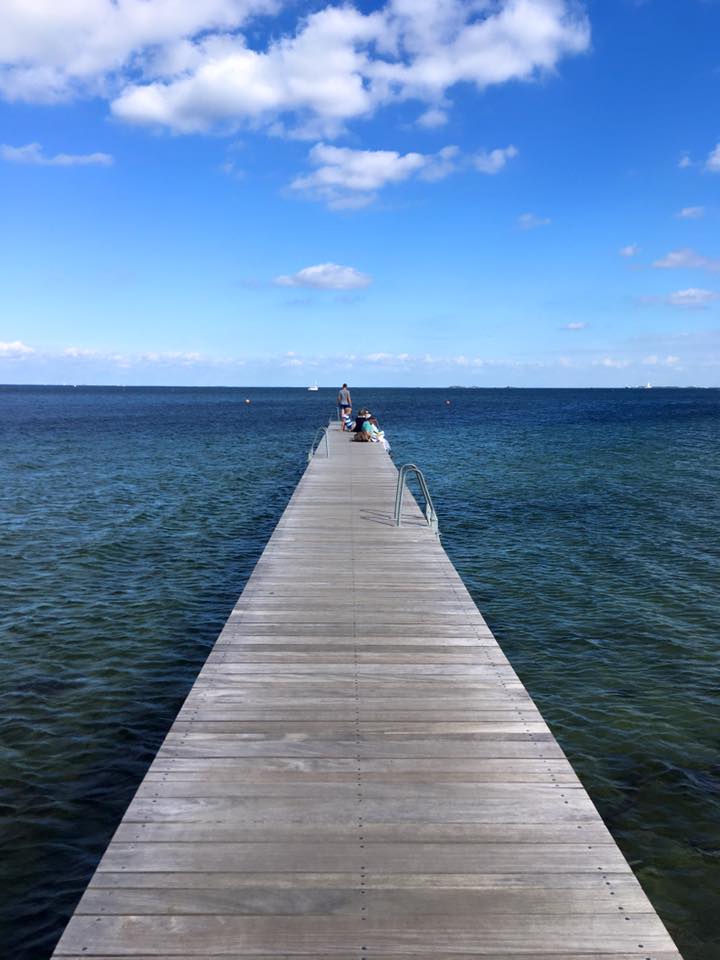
585, 524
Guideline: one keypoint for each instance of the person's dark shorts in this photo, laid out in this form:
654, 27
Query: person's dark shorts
345, 406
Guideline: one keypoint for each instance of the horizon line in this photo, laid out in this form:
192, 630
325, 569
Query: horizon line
220, 386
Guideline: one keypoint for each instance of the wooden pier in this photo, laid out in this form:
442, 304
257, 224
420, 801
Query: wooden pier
358, 773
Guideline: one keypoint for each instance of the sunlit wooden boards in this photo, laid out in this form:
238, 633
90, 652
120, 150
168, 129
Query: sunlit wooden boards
358, 773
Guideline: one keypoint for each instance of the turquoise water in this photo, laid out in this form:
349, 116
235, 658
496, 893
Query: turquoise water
585, 524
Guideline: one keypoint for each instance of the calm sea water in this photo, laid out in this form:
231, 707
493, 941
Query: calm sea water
585, 524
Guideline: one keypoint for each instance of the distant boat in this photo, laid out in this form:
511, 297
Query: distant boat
648, 386
313, 388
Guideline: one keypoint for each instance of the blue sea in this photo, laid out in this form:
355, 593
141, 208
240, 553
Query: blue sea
584, 522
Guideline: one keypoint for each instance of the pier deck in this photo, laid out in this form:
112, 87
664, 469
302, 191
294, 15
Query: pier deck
358, 773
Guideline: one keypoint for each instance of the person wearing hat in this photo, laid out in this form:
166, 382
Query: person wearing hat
360, 419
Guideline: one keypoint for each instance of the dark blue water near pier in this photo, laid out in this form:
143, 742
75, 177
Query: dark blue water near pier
585, 524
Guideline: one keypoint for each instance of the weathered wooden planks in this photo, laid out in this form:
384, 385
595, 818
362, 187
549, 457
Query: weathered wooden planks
358, 773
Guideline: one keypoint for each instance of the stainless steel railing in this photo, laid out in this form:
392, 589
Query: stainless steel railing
430, 514
320, 434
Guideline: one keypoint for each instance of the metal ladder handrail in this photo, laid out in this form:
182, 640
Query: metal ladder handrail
430, 514
319, 434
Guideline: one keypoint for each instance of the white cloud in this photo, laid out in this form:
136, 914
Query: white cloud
155, 358
389, 359
692, 297
631, 250
659, 351
326, 276
14, 350
441, 164
684, 162
345, 178
190, 67
611, 362
655, 361
32, 153
231, 169
433, 117
290, 361
495, 160
182, 357
529, 221
712, 164
687, 259
318, 76
427, 360
80, 353
452, 42
365, 170
691, 213
575, 325
51, 51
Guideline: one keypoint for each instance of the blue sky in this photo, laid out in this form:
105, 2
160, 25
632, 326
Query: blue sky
254, 192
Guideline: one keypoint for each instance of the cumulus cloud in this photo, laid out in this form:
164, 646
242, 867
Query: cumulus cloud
184, 358
631, 250
32, 153
687, 259
388, 358
492, 162
448, 43
316, 75
80, 353
655, 361
433, 117
326, 276
194, 66
52, 51
529, 221
148, 358
14, 350
441, 164
403, 360
654, 351
692, 297
348, 179
612, 362
290, 360
712, 164
691, 213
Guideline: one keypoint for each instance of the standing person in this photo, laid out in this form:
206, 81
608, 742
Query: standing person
344, 402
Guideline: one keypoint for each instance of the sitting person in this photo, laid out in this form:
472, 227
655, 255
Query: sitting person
363, 429
360, 419
376, 434
367, 430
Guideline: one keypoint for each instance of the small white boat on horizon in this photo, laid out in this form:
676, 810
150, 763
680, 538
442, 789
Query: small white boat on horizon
313, 388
